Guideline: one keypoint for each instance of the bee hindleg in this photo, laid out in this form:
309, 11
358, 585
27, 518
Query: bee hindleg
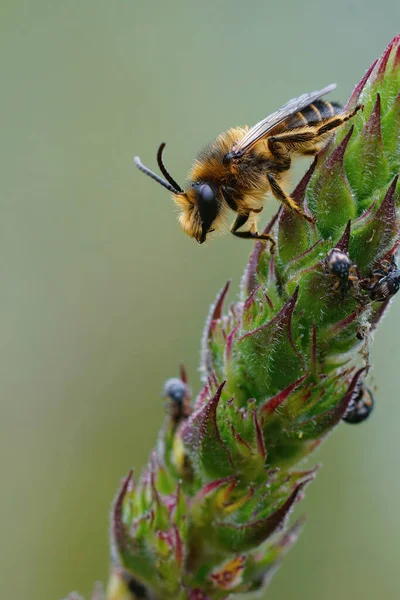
285, 199
253, 235
308, 139
337, 121
284, 144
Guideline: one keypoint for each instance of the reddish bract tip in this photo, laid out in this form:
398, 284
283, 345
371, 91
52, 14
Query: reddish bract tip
373, 125
272, 403
343, 243
259, 436
352, 102
300, 189
382, 63
338, 154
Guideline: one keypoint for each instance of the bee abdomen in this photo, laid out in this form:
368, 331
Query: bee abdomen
318, 111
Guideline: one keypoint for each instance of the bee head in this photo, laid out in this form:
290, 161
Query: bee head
198, 205
199, 210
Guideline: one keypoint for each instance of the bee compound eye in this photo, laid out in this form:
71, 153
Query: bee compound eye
206, 193
207, 206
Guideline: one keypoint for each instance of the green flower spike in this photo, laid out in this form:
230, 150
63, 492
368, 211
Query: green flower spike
208, 518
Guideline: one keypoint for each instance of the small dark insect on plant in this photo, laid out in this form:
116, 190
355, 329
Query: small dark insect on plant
361, 405
242, 165
340, 267
384, 282
177, 393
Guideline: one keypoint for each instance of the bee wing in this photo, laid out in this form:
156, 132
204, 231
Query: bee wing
291, 107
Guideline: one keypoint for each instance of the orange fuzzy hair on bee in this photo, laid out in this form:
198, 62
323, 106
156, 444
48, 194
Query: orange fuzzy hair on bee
211, 166
189, 217
209, 163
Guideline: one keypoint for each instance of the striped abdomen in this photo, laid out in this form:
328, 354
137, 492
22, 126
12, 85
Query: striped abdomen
318, 111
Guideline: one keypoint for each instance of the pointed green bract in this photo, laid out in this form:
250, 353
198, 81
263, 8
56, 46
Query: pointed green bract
330, 195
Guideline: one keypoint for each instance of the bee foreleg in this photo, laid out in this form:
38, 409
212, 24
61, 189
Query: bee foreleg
241, 220
286, 200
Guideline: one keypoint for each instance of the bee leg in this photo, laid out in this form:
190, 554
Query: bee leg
306, 140
253, 235
285, 199
337, 121
284, 144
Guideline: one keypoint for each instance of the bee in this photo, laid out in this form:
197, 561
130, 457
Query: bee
238, 169
384, 282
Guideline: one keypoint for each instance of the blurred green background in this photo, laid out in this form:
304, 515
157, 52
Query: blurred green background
102, 296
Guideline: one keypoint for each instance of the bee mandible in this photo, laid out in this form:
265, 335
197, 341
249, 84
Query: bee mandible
242, 165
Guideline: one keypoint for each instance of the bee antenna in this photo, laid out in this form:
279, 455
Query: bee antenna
165, 172
156, 177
